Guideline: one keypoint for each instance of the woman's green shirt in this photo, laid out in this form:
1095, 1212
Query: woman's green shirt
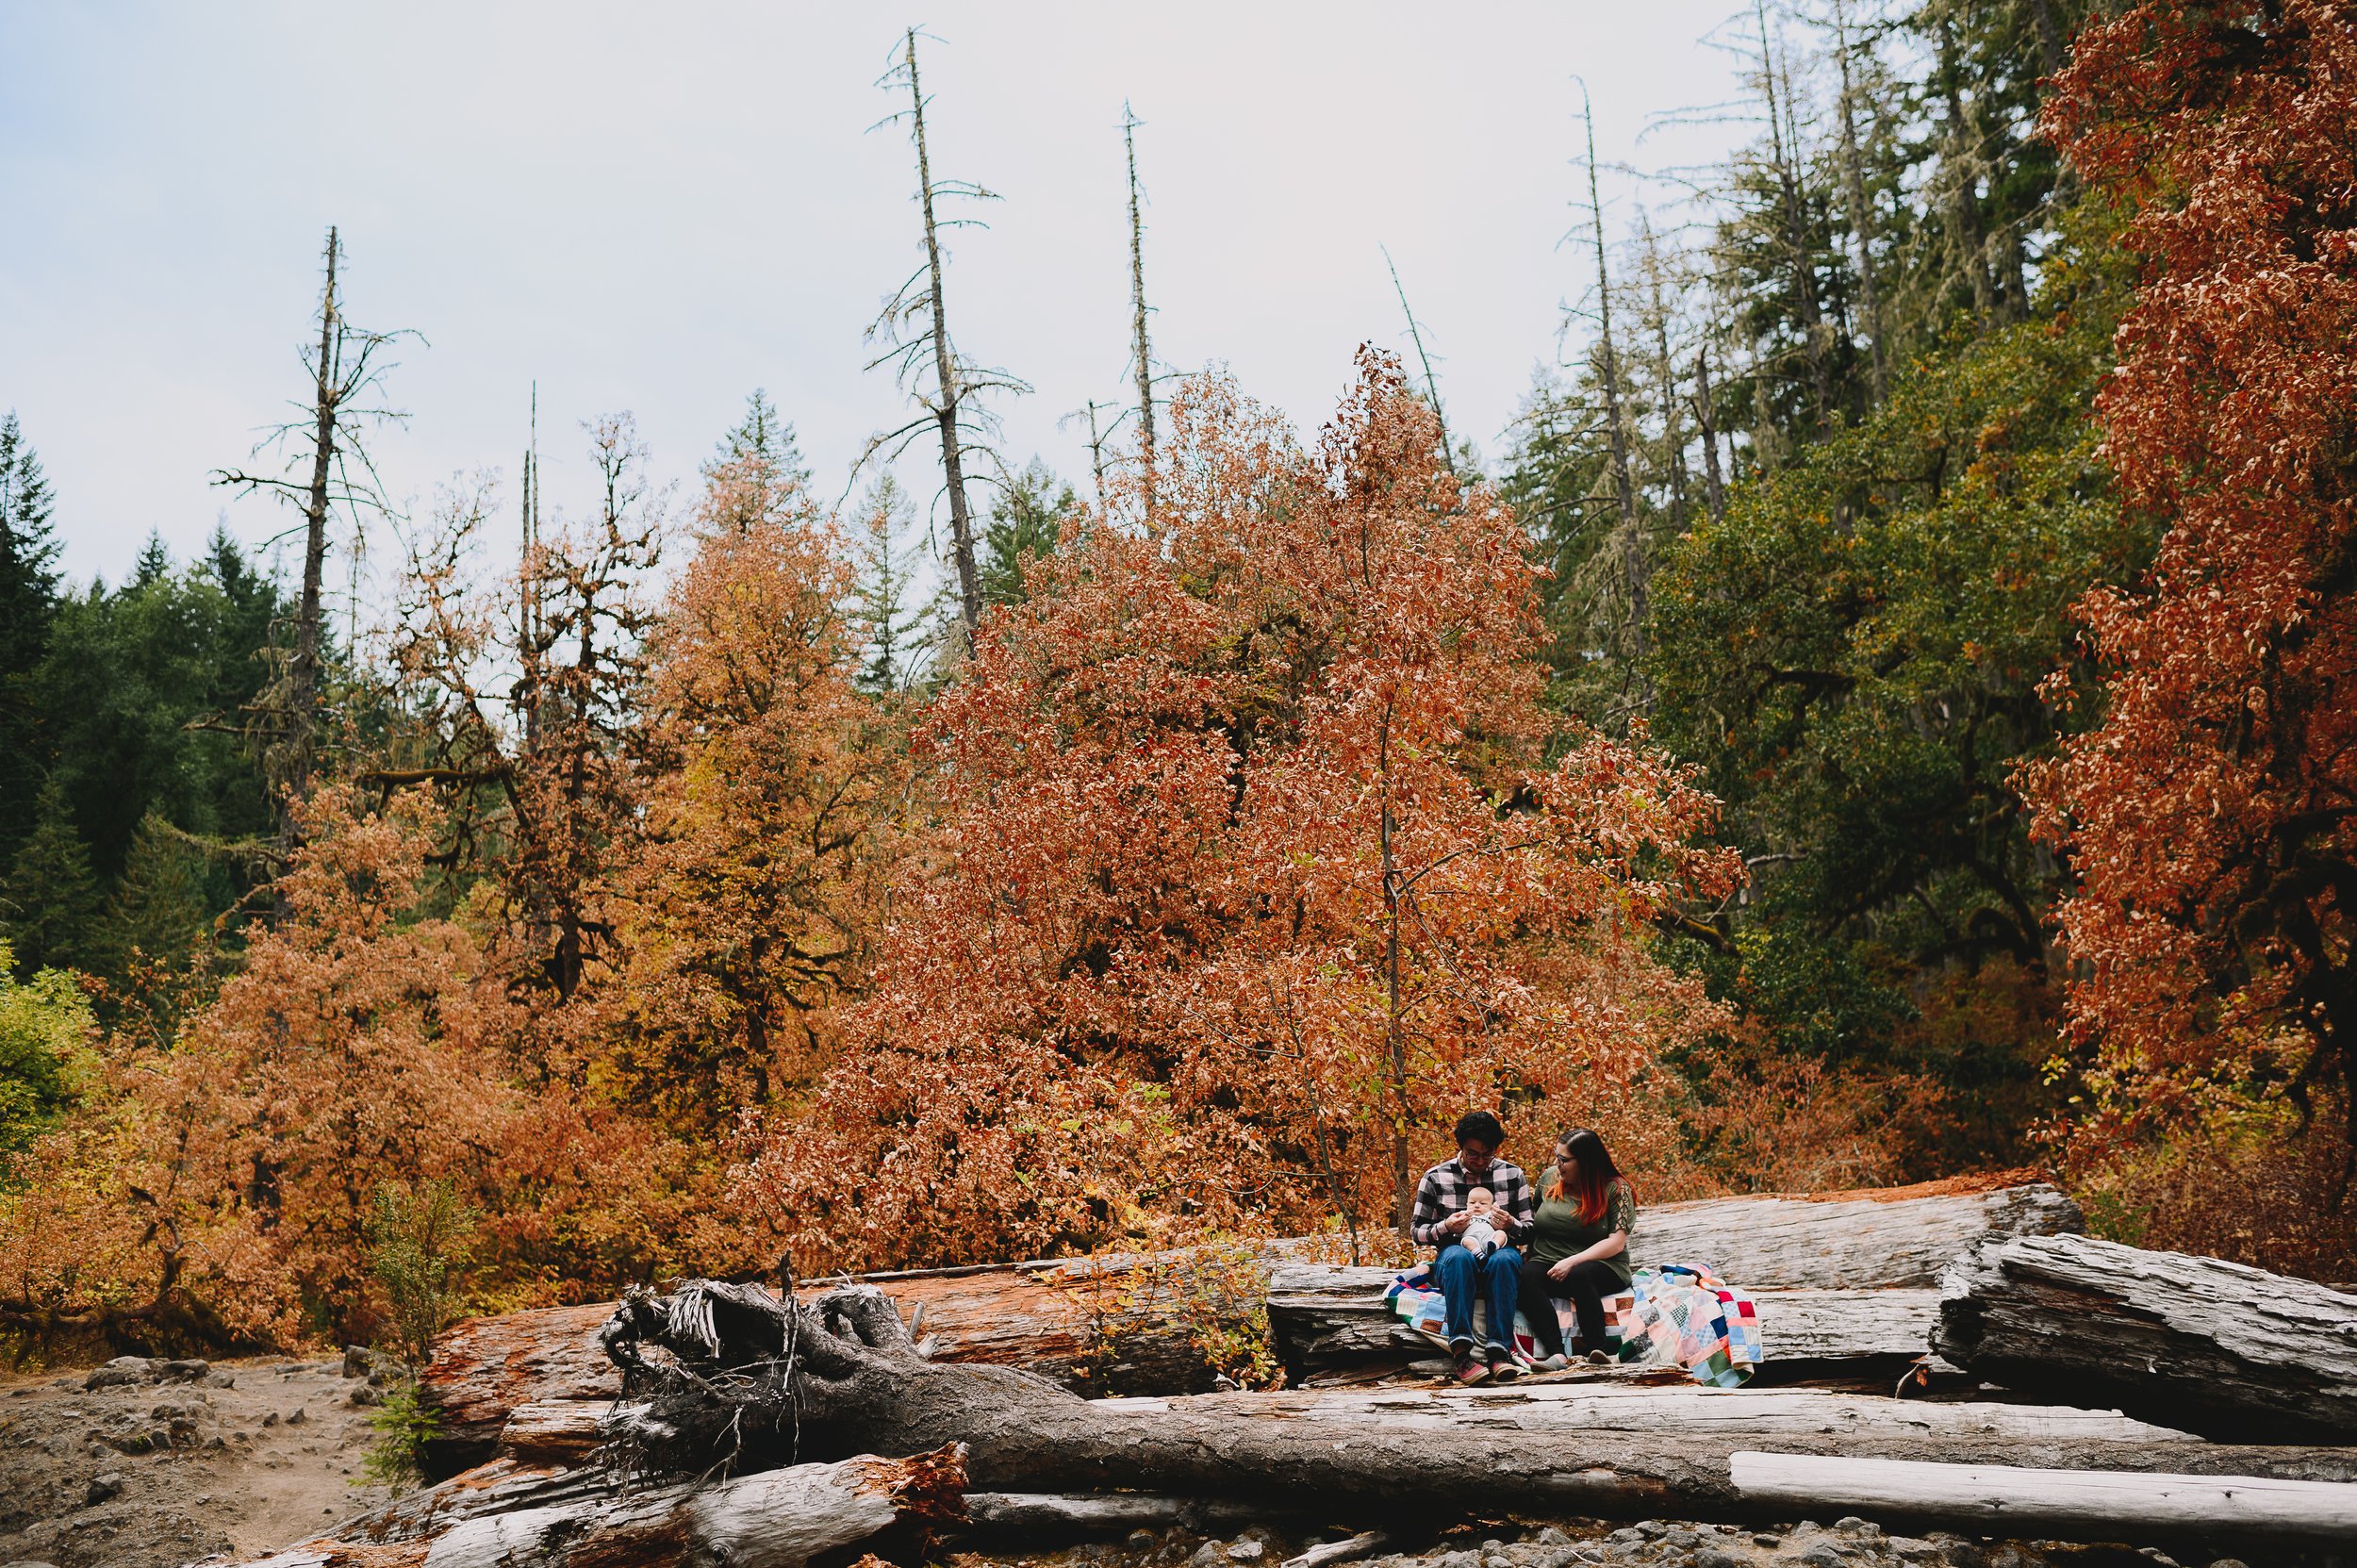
1556, 1232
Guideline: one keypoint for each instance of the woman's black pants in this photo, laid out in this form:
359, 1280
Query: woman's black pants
1586, 1287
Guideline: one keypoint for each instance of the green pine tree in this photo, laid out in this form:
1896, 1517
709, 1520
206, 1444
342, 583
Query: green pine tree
1024, 521
49, 902
158, 910
28, 603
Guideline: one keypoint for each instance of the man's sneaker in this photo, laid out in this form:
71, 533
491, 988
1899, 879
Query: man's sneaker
1469, 1372
1601, 1358
1503, 1367
1556, 1363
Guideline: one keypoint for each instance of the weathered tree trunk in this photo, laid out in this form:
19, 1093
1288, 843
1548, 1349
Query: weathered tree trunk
863, 1387
1636, 571
1141, 346
563, 1431
950, 385
2101, 1505
1120, 1325
302, 669
2232, 1352
775, 1519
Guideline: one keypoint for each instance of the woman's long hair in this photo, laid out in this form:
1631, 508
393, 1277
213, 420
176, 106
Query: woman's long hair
1590, 1177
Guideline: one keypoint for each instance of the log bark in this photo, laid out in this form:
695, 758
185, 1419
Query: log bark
586, 1519
562, 1431
1582, 1450
1120, 1325
2231, 1352
2008, 1500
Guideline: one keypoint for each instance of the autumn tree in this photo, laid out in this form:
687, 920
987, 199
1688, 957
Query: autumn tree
2211, 816
751, 906
1255, 870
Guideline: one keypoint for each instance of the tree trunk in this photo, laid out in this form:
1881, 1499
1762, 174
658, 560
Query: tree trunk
948, 385
1141, 348
2233, 1353
1707, 415
564, 1432
1122, 1324
774, 1519
2083, 1505
303, 668
1861, 212
1636, 571
1651, 1452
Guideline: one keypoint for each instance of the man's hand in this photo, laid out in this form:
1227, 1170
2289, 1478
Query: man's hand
1455, 1225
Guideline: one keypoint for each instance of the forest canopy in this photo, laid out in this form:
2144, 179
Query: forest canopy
1884, 715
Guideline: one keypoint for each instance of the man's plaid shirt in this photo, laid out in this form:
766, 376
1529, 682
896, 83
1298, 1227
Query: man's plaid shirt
1441, 1193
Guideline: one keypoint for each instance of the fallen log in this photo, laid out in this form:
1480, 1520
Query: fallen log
1128, 1323
1555, 1448
2007, 1501
2230, 1352
546, 1433
1336, 1318
774, 1519
1036, 1517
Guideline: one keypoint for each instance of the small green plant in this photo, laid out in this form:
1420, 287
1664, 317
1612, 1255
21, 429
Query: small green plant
418, 1247
403, 1427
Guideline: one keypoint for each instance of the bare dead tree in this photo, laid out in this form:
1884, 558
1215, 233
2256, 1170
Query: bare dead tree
1140, 347
1099, 432
1431, 382
346, 371
1784, 149
1656, 316
1635, 571
1860, 211
1961, 179
914, 327
1705, 414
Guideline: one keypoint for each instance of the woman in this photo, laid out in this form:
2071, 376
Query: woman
1578, 1246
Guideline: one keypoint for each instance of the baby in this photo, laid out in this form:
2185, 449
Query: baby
1481, 1236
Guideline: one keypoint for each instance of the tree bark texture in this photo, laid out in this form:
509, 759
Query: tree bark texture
514, 1518
1651, 1452
1123, 1325
2105, 1505
2233, 1353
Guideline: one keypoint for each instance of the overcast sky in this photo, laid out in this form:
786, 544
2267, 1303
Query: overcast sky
658, 208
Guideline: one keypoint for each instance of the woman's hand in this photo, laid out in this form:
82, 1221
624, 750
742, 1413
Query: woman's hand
1561, 1271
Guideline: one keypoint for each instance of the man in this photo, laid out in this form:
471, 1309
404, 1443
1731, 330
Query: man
1442, 1217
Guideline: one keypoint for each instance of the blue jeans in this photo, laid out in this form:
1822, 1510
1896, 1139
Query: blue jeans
1464, 1280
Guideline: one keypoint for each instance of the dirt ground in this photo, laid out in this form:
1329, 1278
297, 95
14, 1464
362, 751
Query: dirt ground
168, 1462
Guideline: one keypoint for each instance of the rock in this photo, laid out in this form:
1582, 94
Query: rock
218, 1379
27, 1563
1210, 1554
1824, 1554
122, 1372
1716, 1557
1248, 1551
270, 1420
188, 1371
1764, 1539
1852, 1524
1143, 1541
366, 1395
297, 1418
103, 1489
1551, 1536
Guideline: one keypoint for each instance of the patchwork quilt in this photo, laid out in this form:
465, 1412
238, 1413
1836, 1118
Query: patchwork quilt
1673, 1314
